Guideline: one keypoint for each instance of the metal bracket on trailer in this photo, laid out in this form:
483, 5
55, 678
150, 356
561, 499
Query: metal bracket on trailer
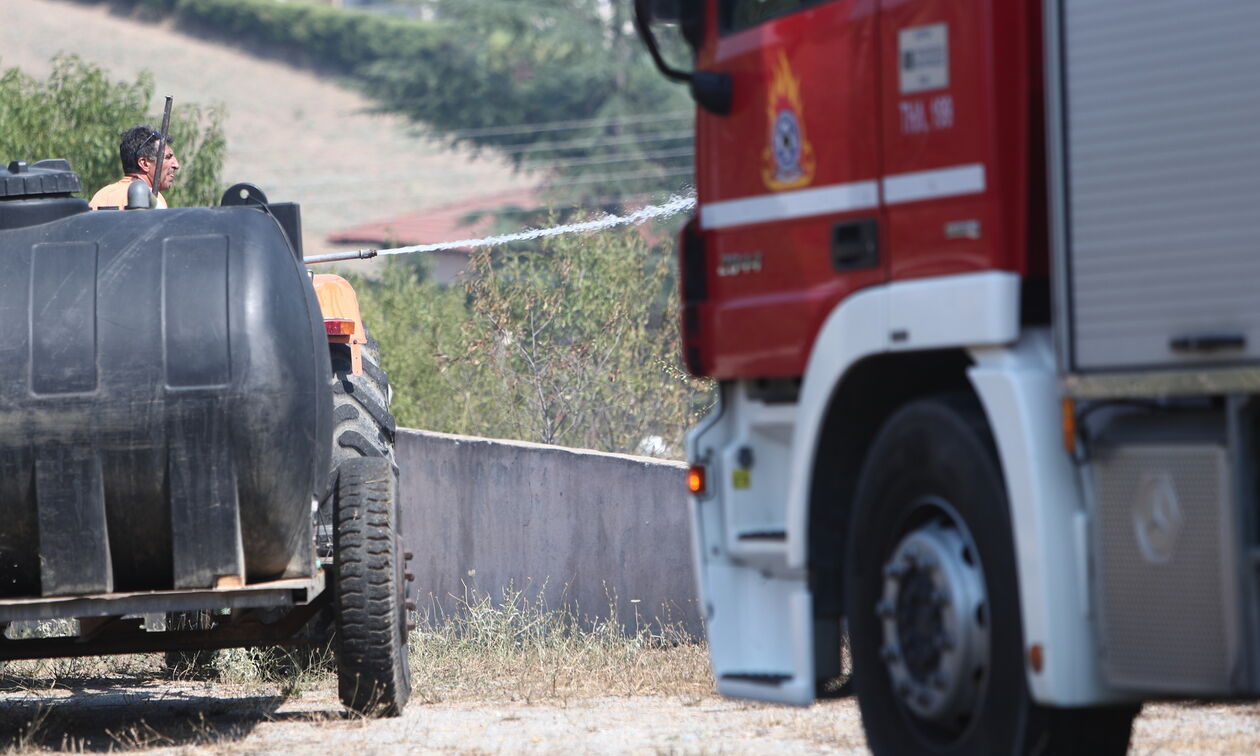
274, 593
119, 634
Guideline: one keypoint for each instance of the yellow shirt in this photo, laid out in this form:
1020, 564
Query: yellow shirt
115, 195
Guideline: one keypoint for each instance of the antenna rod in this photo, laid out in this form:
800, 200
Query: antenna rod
157, 174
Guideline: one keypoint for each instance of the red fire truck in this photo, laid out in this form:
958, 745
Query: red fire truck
980, 284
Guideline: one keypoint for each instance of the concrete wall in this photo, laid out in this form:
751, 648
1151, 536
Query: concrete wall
575, 528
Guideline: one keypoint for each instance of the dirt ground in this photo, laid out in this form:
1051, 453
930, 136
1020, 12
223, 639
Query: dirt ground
298, 135
139, 714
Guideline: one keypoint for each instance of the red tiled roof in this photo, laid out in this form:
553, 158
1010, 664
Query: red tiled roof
437, 225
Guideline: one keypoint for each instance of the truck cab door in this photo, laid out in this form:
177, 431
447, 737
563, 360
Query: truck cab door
788, 179
960, 103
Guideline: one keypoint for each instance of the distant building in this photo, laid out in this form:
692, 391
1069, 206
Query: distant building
439, 225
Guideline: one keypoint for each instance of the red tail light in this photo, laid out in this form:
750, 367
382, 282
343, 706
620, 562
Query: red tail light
339, 326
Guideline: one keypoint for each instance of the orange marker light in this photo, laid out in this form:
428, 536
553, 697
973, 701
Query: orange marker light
1069, 426
339, 326
1036, 658
696, 480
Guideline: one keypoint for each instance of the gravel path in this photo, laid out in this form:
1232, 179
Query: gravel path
298, 136
199, 718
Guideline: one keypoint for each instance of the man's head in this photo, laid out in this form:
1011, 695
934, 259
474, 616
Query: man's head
138, 148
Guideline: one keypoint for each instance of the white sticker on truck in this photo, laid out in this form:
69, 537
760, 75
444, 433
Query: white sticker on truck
923, 52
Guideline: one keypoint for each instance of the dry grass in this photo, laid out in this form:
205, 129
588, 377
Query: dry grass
509, 650
519, 650
513, 648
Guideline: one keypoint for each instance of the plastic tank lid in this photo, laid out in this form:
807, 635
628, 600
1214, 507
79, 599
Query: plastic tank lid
44, 178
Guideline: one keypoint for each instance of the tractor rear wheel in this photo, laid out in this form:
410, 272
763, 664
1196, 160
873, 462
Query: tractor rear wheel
373, 671
364, 424
363, 428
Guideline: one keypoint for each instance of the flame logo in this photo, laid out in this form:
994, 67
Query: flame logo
788, 160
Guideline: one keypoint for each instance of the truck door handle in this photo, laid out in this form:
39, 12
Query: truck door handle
855, 244
1207, 342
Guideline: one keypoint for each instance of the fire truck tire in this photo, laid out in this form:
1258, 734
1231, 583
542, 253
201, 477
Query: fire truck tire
373, 672
932, 600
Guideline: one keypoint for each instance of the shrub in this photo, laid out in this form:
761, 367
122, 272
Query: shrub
573, 342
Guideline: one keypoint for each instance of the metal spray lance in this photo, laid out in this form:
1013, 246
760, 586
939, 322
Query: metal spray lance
161, 155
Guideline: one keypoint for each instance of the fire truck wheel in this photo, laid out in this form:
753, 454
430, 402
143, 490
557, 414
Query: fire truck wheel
373, 673
932, 600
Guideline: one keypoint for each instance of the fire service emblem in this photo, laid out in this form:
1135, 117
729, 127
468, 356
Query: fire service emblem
788, 161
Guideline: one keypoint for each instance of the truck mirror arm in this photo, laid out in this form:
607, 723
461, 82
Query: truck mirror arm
710, 89
642, 24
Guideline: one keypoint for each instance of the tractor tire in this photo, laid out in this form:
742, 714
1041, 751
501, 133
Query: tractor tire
373, 670
363, 425
363, 428
932, 600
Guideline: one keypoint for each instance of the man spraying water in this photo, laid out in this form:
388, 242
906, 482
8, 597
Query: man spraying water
146, 153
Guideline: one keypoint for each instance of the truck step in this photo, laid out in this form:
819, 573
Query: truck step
773, 679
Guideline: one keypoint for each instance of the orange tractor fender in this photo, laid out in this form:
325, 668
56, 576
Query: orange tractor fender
342, 321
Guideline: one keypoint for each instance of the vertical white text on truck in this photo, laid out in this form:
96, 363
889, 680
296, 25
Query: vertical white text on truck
978, 284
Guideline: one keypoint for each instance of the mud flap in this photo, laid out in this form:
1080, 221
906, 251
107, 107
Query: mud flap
760, 630
758, 607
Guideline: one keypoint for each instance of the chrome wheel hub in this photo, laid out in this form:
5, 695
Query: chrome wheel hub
934, 616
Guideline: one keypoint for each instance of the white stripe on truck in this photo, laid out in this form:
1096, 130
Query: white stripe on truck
954, 181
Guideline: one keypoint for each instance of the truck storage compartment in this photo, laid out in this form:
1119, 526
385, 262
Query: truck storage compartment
1157, 183
1173, 506
165, 411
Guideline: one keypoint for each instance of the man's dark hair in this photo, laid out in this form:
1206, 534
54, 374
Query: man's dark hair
137, 142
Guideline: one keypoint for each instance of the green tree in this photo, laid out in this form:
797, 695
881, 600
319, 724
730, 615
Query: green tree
617, 127
559, 86
78, 113
419, 326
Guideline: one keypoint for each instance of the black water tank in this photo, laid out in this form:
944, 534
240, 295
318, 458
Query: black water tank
38, 193
165, 401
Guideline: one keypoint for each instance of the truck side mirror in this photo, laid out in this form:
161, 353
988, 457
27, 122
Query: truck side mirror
711, 90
